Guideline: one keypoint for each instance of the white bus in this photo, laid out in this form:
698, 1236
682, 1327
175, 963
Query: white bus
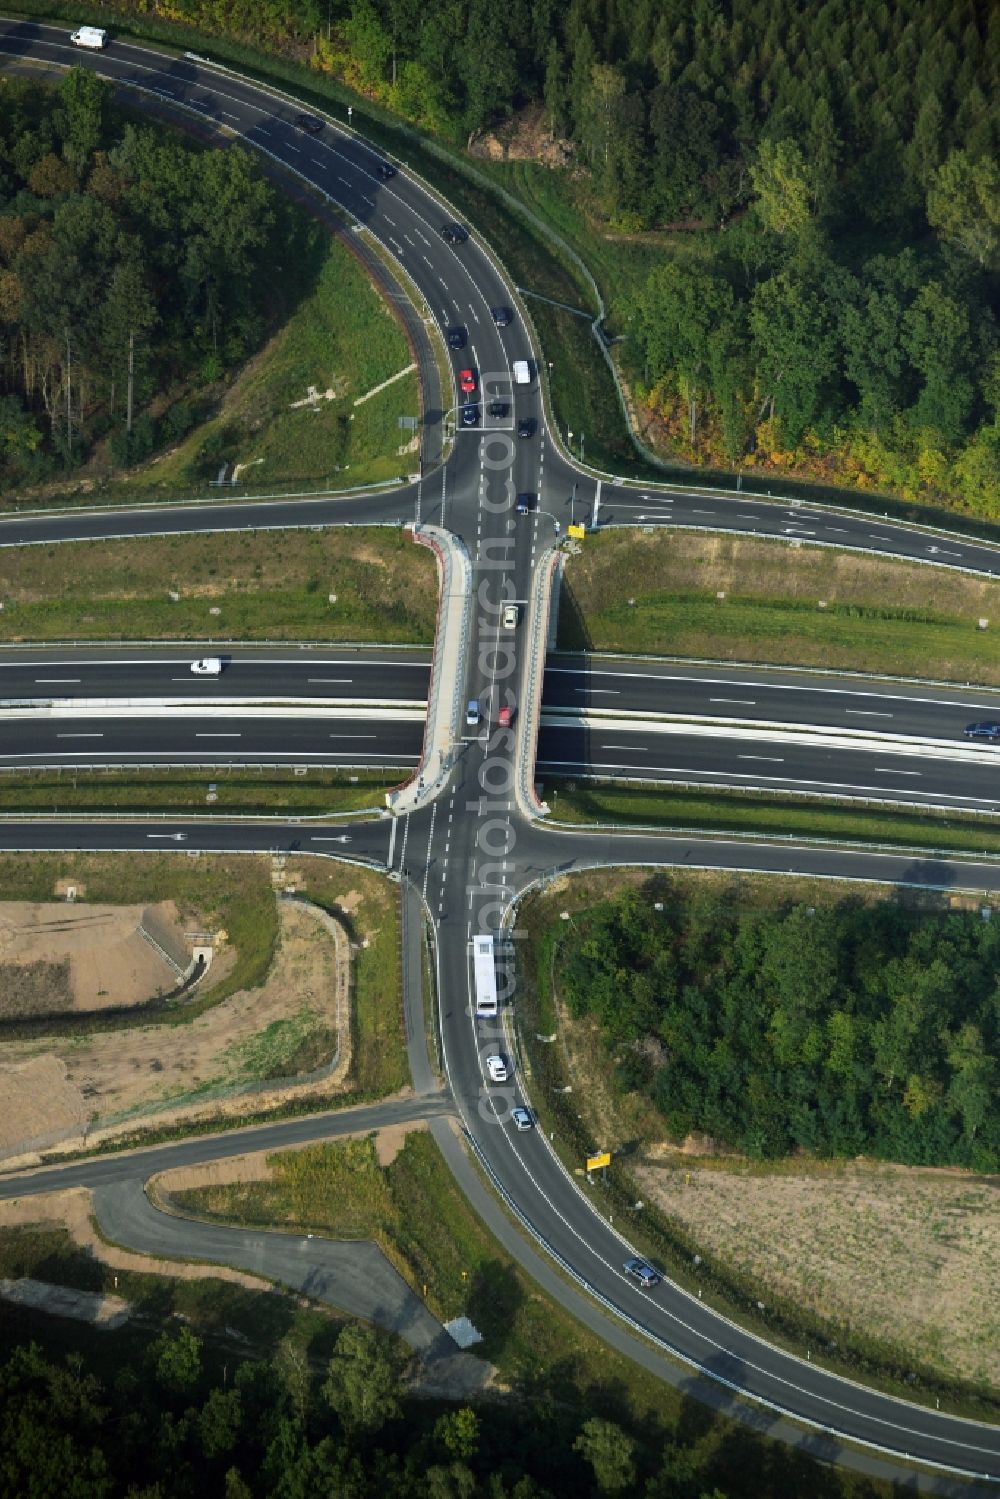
484, 967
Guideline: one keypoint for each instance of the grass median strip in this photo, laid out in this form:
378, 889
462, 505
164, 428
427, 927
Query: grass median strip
242, 793
362, 584
739, 812
727, 599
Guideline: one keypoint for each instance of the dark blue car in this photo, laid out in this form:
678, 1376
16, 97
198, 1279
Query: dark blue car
643, 1273
987, 730
470, 415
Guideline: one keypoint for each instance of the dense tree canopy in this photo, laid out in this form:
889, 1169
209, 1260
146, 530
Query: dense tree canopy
175, 1421
835, 1030
128, 260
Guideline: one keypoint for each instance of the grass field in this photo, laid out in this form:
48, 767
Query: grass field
262, 585
741, 812
368, 905
343, 338
877, 616
243, 793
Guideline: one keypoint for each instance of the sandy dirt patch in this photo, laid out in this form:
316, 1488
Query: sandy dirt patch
110, 955
904, 1254
165, 1072
72, 1210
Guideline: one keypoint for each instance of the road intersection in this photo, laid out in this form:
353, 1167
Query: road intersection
469, 841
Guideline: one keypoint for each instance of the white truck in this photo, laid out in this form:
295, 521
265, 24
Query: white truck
93, 37
522, 372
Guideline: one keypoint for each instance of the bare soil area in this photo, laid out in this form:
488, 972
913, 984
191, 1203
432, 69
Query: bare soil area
86, 1088
908, 1255
58, 957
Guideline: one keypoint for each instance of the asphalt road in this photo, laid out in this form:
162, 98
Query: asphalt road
316, 673
471, 851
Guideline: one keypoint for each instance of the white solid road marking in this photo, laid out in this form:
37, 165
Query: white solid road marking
773, 759
890, 770
743, 702
218, 736
329, 679
58, 679
79, 736
865, 713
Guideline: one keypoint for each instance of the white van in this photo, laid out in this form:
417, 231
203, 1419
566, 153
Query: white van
90, 36
522, 372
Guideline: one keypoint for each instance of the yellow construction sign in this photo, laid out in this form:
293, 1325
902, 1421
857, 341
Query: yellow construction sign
595, 1162
577, 532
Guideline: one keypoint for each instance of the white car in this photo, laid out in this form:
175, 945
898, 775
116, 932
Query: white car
208, 666
497, 1068
510, 616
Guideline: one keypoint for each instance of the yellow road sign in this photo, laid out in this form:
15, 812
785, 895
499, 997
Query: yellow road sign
579, 532
595, 1162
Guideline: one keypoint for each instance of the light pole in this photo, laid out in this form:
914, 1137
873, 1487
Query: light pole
582, 459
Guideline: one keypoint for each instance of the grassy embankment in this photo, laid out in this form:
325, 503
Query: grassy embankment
887, 618
343, 338
241, 586
240, 793
575, 1099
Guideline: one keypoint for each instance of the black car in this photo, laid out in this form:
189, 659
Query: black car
982, 730
526, 427
502, 316
470, 415
309, 124
526, 503
498, 408
456, 338
385, 171
454, 234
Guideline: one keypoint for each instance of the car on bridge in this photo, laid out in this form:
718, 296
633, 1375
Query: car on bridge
467, 381
505, 717
988, 730
510, 616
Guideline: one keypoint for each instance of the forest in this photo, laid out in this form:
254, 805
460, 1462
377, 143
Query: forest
836, 1030
130, 276
827, 176
175, 1416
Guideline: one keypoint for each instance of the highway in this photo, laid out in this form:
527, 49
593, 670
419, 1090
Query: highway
470, 851
386, 675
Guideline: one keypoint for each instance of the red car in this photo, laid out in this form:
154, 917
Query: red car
505, 717
467, 381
